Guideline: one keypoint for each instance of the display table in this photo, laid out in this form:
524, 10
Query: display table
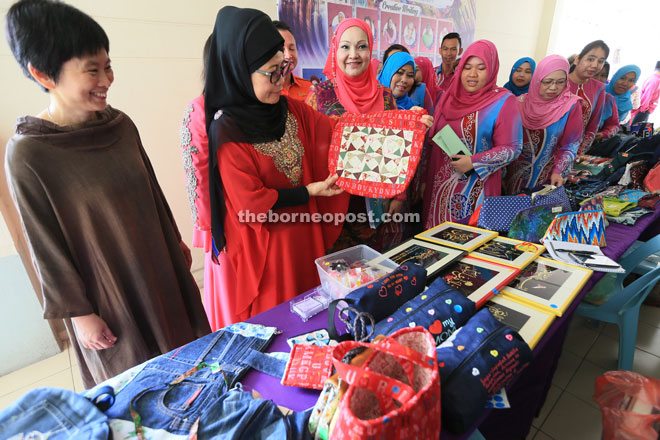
526, 395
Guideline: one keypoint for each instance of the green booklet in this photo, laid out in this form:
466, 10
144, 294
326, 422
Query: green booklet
450, 142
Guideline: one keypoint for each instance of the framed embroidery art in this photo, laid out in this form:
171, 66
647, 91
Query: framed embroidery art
530, 323
548, 285
477, 279
466, 238
376, 154
508, 251
432, 256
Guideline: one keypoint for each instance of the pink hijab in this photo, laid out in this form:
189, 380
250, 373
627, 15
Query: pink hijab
360, 94
457, 102
536, 112
428, 75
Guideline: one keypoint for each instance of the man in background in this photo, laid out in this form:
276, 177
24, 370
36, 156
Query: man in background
294, 86
450, 50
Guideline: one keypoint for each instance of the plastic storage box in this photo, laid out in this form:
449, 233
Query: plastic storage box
351, 268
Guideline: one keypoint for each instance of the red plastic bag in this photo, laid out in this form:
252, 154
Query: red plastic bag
630, 404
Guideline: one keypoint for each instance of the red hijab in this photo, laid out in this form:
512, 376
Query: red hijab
428, 75
536, 112
457, 102
359, 94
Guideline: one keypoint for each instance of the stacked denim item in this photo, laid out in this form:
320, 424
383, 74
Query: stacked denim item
53, 414
193, 389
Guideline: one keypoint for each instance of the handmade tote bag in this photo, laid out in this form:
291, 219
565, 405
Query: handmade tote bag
396, 394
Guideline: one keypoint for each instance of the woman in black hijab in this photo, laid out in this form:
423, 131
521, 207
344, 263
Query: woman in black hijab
269, 182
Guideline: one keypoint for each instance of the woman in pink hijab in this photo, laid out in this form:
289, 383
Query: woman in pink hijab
552, 128
352, 87
428, 76
486, 119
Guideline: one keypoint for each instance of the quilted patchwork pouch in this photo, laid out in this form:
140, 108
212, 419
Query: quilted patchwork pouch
376, 154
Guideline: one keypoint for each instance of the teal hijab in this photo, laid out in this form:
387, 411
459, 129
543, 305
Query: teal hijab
510, 85
393, 63
623, 101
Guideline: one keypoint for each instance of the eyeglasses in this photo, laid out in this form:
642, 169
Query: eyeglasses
557, 82
279, 73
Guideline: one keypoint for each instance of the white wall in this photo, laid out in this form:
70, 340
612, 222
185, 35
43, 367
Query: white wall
519, 28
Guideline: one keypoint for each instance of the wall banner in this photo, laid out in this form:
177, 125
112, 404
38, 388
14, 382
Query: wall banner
417, 24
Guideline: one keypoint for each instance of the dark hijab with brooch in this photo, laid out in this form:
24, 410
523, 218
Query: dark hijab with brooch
243, 40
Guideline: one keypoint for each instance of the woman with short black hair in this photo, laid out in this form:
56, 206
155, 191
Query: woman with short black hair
102, 237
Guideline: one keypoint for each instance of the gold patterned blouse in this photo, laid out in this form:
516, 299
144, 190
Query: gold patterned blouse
286, 153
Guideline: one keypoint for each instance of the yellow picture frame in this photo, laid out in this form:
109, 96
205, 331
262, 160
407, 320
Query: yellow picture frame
434, 257
456, 235
530, 322
508, 251
548, 285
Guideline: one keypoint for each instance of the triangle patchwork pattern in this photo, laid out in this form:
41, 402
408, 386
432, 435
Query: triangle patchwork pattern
373, 159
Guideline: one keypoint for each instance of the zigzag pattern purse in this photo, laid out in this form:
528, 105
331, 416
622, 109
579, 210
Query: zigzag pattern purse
584, 227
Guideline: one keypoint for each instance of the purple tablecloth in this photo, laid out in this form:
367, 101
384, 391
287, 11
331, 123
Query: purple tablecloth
526, 395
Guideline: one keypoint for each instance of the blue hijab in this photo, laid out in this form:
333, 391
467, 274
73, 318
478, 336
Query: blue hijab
418, 96
393, 63
623, 101
510, 85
